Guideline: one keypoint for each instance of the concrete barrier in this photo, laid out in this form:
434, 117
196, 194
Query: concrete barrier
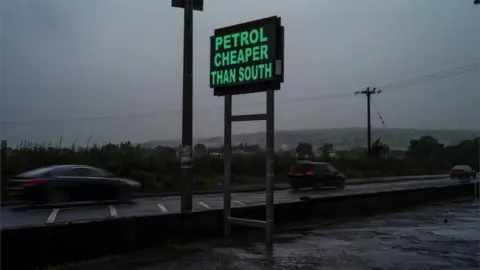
25, 248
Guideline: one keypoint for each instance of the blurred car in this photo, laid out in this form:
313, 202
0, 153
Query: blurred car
62, 183
463, 172
315, 175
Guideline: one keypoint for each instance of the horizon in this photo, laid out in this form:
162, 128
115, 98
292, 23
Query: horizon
317, 129
91, 142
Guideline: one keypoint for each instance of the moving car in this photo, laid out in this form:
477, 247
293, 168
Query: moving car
463, 172
315, 175
62, 183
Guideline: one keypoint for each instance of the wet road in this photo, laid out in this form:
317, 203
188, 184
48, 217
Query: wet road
19, 217
443, 236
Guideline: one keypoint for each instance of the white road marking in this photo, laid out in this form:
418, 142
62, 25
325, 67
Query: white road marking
52, 216
162, 207
113, 211
72, 208
81, 207
239, 203
204, 205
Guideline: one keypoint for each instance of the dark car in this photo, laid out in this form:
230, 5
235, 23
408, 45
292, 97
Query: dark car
315, 175
64, 183
463, 172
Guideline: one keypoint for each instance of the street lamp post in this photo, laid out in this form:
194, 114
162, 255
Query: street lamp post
186, 155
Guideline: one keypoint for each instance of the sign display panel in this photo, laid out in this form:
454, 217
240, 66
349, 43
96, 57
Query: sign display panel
245, 58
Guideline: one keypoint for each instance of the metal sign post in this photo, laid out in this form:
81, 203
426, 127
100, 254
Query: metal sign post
227, 166
248, 58
269, 117
270, 167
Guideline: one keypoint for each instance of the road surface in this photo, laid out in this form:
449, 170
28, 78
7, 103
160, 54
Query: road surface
15, 216
442, 236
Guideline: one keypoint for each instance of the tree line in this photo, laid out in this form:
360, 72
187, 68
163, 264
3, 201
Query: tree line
159, 168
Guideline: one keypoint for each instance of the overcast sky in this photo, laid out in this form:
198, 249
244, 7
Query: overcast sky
120, 61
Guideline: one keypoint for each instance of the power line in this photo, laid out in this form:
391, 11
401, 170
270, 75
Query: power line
425, 79
469, 66
432, 77
169, 112
378, 113
398, 85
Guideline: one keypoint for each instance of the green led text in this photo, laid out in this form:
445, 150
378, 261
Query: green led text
241, 57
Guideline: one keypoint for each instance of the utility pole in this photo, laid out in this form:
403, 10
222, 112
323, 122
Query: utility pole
187, 104
369, 92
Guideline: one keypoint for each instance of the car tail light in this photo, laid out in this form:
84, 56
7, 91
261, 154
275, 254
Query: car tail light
309, 173
33, 181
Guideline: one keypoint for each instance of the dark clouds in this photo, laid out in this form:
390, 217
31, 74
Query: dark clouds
82, 59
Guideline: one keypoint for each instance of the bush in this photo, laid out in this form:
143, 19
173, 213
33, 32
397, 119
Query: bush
159, 168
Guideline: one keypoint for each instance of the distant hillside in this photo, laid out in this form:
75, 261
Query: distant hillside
339, 137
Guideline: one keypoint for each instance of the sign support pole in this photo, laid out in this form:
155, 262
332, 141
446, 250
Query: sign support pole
269, 117
187, 114
228, 220
227, 167
270, 169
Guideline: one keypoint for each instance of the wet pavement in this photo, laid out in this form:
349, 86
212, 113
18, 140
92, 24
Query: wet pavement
442, 236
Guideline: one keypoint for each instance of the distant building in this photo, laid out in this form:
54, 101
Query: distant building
333, 154
284, 148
